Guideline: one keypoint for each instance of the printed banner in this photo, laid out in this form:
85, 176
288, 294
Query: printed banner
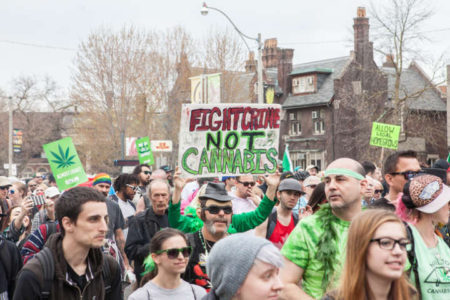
228, 139
144, 151
161, 146
130, 146
65, 164
385, 135
196, 89
17, 140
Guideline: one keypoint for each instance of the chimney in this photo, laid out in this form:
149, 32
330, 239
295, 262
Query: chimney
270, 53
250, 64
362, 48
284, 69
389, 62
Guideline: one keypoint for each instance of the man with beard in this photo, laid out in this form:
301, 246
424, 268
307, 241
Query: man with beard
283, 220
143, 227
141, 200
215, 211
126, 186
314, 251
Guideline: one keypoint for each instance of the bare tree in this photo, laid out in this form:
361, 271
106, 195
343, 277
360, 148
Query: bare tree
39, 107
121, 82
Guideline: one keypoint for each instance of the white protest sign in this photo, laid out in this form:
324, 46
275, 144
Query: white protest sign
229, 139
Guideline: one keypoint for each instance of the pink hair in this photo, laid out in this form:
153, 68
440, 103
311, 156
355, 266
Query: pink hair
403, 212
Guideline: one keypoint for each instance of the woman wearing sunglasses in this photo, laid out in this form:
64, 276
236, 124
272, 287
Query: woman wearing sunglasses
425, 204
169, 257
375, 259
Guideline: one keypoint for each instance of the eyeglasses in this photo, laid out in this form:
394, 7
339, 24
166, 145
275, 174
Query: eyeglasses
389, 244
32, 185
247, 183
216, 209
408, 175
11, 192
173, 253
147, 172
378, 191
133, 187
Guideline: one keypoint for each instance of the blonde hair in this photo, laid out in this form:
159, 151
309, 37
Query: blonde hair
195, 203
354, 284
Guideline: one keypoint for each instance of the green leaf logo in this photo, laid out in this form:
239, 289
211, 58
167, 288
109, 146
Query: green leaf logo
63, 160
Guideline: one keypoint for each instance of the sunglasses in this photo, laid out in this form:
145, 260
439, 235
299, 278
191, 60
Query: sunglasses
378, 191
175, 252
147, 172
134, 188
313, 186
247, 183
216, 209
408, 175
4, 187
11, 192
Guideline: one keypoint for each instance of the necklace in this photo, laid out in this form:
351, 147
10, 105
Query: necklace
203, 257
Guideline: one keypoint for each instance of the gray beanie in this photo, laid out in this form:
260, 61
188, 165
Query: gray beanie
230, 260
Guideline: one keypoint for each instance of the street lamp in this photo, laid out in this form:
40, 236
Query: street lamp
204, 11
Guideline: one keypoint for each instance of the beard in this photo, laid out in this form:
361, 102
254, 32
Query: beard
212, 229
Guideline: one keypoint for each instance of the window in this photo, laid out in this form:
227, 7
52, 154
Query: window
304, 84
318, 121
295, 125
298, 159
316, 159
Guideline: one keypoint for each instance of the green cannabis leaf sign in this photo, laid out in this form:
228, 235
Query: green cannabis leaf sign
65, 164
63, 160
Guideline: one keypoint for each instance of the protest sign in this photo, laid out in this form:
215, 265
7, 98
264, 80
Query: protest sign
385, 135
228, 139
65, 164
144, 151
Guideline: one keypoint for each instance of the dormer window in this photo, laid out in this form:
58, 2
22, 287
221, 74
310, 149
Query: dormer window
303, 84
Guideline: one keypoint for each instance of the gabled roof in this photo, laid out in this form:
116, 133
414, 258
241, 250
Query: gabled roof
422, 95
333, 68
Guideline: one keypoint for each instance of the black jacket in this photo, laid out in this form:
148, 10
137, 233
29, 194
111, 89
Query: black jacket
141, 229
30, 282
10, 265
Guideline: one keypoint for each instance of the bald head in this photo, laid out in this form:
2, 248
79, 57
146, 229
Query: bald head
158, 174
347, 163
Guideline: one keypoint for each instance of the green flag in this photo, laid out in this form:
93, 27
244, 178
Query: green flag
65, 164
144, 151
287, 164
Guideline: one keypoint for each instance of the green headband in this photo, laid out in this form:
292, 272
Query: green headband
346, 172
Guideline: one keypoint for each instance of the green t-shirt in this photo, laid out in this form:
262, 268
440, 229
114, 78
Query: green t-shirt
433, 268
301, 248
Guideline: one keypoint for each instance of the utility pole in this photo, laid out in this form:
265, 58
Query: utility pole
10, 135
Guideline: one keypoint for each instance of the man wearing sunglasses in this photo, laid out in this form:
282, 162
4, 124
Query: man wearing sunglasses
143, 173
399, 168
4, 187
215, 211
126, 186
244, 198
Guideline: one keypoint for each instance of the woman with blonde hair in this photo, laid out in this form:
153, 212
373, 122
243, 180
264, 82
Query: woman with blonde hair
375, 259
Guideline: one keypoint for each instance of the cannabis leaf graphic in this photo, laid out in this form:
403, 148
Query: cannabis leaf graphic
63, 160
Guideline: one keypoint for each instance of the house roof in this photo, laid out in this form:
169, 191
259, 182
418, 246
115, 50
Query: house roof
333, 68
415, 85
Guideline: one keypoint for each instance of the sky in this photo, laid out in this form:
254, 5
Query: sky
40, 37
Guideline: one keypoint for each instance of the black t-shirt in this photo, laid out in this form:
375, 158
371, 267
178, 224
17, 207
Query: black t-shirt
196, 269
80, 280
382, 203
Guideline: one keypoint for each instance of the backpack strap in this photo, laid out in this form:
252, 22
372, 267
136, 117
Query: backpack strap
51, 228
106, 273
47, 262
411, 253
295, 215
271, 223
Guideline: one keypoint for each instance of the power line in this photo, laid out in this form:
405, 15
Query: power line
37, 45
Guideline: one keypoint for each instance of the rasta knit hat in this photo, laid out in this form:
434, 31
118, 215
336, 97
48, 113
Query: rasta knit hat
229, 262
101, 178
426, 193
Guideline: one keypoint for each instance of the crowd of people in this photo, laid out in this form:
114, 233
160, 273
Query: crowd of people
351, 231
